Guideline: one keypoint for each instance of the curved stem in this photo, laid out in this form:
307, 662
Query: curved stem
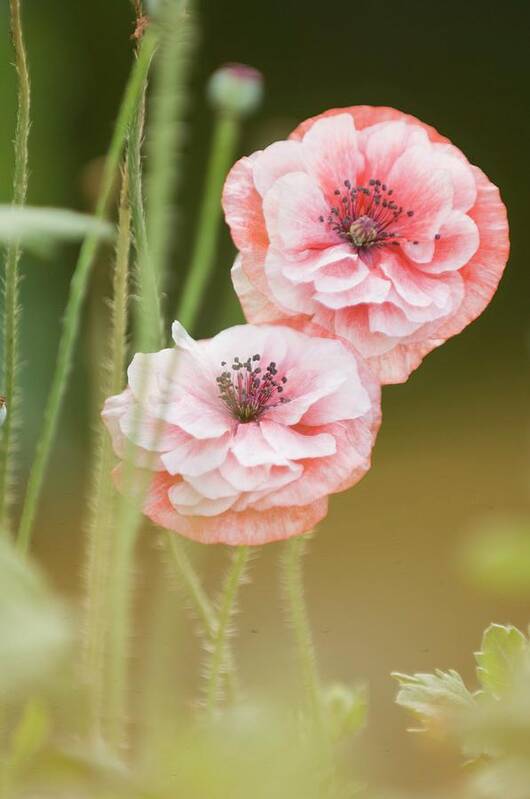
175, 29
78, 289
219, 642
194, 590
201, 606
203, 257
99, 529
11, 280
149, 320
299, 621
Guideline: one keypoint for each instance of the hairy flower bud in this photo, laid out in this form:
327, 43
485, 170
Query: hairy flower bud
236, 89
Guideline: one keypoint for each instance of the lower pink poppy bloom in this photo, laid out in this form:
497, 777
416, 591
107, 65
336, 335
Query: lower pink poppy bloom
246, 434
368, 224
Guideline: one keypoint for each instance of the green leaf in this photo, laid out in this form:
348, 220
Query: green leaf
497, 556
39, 229
503, 654
345, 709
35, 628
433, 698
28, 737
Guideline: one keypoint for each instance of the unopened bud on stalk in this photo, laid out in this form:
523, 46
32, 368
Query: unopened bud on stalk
236, 89
3, 410
345, 709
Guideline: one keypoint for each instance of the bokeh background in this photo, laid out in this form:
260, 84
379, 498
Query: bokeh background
383, 581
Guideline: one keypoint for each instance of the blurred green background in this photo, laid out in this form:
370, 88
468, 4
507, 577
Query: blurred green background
383, 586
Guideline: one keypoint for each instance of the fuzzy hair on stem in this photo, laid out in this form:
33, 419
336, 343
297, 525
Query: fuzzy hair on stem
78, 288
11, 307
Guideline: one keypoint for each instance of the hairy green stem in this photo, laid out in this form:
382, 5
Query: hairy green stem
152, 239
149, 321
203, 257
216, 662
175, 29
11, 278
76, 298
293, 584
200, 603
99, 528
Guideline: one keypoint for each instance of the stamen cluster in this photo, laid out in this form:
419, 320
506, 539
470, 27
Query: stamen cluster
365, 214
248, 391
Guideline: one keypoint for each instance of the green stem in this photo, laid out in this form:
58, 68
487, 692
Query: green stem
152, 239
167, 128
219, 642
196, 594
203, 257
11, 280
299, 621
99, 529
78, 289
120, 593
201, 606
149, 320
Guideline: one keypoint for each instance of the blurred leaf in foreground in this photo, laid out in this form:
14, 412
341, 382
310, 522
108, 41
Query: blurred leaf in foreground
496, 556
495, 720
345, 709
39, 229
501, 658
433, 698
34, 627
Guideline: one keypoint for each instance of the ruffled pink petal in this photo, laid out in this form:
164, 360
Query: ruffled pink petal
415, 286
329, 474
275, 161
331, 153
199, 419
242, 206
256, 305
189, 502
243, 478
292, 210
249, 527
291, 298
425, 191
294, 445
446, 156
194, 457
459, 241
317, 262
365, 116
373, 289
213, 485
342, 274
383, 143
251, 448
390, 320
482, 274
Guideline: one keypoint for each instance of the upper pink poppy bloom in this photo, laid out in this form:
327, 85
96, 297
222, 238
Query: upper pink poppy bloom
369, 224
248, 432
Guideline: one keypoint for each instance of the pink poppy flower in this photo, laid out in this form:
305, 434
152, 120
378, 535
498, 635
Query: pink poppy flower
245, 449
368, 224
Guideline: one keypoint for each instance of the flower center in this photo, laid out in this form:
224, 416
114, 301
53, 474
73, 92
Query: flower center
248, 391
366, 215
363, 232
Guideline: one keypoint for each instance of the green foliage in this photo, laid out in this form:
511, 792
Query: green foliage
28, 737
502, 656
497, 556
39, 229
35, 628
345, 709
433, 698
492, 725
